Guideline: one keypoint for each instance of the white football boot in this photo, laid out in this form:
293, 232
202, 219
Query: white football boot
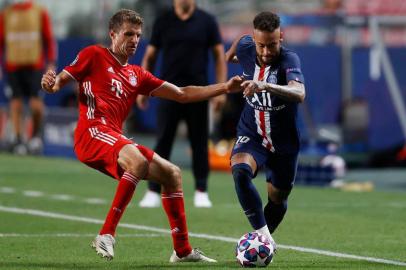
273, 243
195, 256
201, 200
151, 199
265, 231
104, 245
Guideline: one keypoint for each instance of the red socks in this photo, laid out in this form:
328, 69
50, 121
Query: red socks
124, 193
175, 210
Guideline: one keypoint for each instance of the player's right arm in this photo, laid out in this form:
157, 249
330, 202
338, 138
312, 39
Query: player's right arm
231, 54
52, 83
191, 93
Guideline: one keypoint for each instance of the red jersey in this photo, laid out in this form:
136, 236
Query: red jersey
107, 89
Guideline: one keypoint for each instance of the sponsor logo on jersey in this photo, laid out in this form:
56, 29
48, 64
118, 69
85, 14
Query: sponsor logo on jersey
117, 87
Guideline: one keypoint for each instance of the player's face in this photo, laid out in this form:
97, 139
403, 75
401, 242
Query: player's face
268, 45
126, 39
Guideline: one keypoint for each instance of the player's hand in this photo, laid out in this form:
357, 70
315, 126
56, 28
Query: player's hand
234, 84
48, 81
142, 102
250, 87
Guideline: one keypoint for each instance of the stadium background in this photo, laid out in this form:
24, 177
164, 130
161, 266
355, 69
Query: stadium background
348, 99
349, 103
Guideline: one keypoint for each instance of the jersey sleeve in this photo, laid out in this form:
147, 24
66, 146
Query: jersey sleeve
82, 64
292, 68
149, 83
245, 47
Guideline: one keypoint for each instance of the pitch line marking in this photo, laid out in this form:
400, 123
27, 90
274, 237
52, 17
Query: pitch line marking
40, 213
26, 235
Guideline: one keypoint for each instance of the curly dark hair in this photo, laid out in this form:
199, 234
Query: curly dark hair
122, 16
266, 21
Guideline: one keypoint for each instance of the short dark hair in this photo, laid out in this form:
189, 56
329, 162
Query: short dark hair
122, 16
266, 21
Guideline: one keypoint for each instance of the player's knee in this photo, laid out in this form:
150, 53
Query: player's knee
242, 174
137, 166
278, 196
174, 177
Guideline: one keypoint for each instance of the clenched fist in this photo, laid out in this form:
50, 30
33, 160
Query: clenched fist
48, 81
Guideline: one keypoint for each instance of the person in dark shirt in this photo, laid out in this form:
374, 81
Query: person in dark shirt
267, 135
185, 35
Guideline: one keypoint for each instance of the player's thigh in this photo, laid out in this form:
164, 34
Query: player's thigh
164, 172
132, 160
249, 151
280, 175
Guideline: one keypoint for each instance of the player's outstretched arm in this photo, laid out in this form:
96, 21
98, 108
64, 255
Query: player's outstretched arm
294, 91
52, 83
189, 94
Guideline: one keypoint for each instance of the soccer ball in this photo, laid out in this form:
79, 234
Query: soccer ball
254, 249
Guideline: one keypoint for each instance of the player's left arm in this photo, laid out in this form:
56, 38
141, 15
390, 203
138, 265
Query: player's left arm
190, 94
294, 91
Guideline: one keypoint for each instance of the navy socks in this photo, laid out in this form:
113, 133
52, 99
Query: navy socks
274, 214
248, 195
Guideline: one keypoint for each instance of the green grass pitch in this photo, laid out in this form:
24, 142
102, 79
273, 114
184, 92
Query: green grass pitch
49, 210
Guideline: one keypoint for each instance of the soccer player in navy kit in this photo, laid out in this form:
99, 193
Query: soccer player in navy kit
267, 134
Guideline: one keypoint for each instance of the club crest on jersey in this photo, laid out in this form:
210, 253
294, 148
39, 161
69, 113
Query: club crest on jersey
132, 78
272, 78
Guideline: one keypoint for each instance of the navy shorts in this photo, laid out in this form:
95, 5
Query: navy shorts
280, 168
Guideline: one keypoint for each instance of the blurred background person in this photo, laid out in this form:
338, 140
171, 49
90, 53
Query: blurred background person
185, 34
27, 45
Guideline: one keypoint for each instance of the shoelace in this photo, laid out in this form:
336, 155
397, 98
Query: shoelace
110, 240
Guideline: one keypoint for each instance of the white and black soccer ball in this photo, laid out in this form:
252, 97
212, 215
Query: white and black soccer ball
254, 250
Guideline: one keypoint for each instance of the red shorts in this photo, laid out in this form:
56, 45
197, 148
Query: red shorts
98, 147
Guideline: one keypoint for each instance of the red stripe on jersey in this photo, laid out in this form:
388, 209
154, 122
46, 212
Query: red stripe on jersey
262, 123
261, 73
263, 129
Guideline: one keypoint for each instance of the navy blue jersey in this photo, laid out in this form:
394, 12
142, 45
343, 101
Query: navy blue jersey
268, 119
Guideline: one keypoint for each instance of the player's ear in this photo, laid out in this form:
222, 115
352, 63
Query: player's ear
281, 36
111, 34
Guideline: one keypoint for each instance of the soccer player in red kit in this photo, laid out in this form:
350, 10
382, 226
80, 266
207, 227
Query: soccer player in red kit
108, 88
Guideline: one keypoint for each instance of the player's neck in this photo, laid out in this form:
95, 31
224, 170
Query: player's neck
184, 13
123, 59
